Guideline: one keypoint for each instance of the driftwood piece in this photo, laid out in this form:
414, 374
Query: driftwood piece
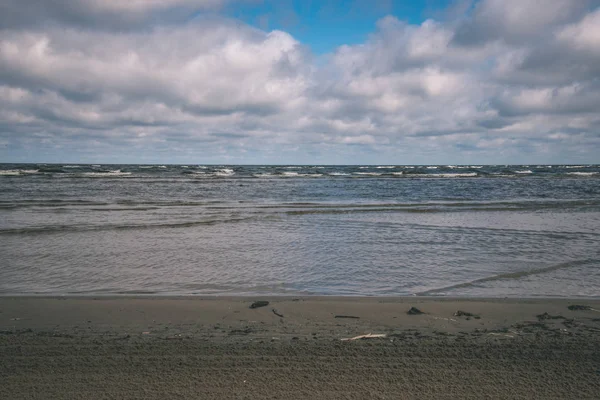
367, 336
276, 313
578, 307
260, 303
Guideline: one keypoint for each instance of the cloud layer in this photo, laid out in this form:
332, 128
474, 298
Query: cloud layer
155, 81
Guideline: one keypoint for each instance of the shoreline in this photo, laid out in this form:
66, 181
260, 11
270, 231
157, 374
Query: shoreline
292, 348
158, 296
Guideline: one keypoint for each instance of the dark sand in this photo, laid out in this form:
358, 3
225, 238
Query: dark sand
219, 348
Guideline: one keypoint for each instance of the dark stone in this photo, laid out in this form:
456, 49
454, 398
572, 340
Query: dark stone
415, 311
260, 303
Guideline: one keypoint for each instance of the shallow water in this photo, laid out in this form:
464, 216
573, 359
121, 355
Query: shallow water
345, 230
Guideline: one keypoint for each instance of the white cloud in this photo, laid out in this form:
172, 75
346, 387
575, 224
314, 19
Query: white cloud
584, 34
523, 75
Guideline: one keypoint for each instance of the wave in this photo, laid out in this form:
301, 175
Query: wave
107, 174
443, 175
76, 228
17, 172
509, 275
465, 175
145, 172
582, 173
224, 172
436, 205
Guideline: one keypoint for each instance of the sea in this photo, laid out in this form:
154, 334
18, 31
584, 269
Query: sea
359, 230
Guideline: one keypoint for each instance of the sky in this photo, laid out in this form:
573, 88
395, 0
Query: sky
300, 81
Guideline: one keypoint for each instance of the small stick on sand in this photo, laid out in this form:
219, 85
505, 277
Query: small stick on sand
367, 336
445, 319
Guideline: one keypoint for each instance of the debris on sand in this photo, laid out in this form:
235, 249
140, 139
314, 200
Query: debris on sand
245, 331
460, 313
415, 311
276, 313
548, 316
577, 307
347, 316
367, 336
260, 303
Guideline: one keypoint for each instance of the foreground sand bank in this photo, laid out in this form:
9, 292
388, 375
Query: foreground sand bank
157, 348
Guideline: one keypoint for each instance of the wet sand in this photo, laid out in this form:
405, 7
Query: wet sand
220, 348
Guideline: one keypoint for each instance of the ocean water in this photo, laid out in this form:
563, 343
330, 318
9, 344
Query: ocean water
493, 231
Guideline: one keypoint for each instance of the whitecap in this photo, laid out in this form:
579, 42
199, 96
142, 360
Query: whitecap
224, 172
459, 175
582, 173
115, 173
17, 172
10, 172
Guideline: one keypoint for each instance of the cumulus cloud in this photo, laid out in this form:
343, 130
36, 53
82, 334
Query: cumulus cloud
504, 82
515, 21
100, 14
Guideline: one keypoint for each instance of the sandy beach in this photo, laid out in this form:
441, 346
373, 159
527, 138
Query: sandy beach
293, 348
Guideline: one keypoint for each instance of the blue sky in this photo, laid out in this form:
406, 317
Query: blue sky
326, 25
303, 82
